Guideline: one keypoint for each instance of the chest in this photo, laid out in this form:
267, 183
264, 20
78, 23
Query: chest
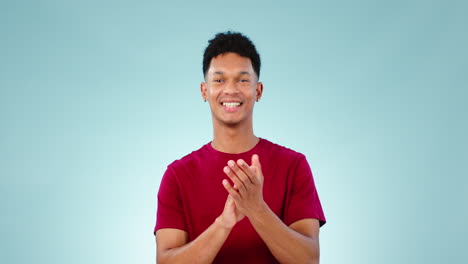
203, 195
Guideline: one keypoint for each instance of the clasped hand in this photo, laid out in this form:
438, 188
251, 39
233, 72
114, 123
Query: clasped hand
247, 192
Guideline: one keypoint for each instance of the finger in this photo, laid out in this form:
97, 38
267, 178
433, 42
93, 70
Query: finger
239, 185
229, 201
232, 193
258, 167
256, 162
240, 174
246, 169
258, 177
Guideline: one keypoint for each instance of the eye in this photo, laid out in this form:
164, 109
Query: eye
244, 80
217, 80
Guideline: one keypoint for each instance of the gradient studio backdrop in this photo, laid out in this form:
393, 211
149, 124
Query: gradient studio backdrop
97, 97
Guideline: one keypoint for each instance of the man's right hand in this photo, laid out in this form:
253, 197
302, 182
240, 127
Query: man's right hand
173, 245
230, 215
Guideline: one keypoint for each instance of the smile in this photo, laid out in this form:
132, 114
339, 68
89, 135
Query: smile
231, 105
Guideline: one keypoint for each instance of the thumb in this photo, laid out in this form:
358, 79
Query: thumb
229, 202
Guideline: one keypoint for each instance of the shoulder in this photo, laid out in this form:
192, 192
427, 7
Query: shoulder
282, 152
177, 170
188, 160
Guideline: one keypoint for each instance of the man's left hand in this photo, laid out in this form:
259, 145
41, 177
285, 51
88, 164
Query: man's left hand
248, 182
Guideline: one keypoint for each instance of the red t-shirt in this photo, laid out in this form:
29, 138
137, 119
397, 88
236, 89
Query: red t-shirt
191, 196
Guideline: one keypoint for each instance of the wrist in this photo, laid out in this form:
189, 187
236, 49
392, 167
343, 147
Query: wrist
260, 212
220, 223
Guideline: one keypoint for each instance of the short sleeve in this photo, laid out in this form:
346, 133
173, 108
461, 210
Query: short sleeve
303, 200
170, 213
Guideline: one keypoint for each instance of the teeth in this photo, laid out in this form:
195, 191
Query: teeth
231, 105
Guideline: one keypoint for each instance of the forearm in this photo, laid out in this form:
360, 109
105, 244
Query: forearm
201, 250
287, 245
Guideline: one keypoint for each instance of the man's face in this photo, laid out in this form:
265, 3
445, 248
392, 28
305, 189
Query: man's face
231, 87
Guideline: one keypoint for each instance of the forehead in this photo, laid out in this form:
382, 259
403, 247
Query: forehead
230, 62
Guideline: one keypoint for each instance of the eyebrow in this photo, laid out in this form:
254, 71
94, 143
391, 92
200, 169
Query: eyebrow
242, 72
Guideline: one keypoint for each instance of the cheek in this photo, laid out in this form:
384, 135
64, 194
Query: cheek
252, 94
212, 92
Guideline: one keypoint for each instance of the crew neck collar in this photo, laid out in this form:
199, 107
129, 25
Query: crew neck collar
248, 152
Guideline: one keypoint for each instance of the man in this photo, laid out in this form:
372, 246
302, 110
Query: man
239, 198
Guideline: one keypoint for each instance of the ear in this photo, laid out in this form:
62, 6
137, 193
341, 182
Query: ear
259, 90
203, 90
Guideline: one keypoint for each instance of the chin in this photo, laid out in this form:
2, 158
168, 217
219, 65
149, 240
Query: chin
229, 122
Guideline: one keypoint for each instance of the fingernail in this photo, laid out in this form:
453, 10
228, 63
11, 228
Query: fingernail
231, 163
226, 169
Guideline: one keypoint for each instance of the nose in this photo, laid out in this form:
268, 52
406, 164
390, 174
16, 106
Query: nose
230, 87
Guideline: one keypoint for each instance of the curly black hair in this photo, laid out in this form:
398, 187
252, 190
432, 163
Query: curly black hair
231, 42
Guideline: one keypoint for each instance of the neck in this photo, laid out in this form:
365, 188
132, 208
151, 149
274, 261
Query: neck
235, 139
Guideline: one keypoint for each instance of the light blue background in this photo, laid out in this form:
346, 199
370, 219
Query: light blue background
97, 97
